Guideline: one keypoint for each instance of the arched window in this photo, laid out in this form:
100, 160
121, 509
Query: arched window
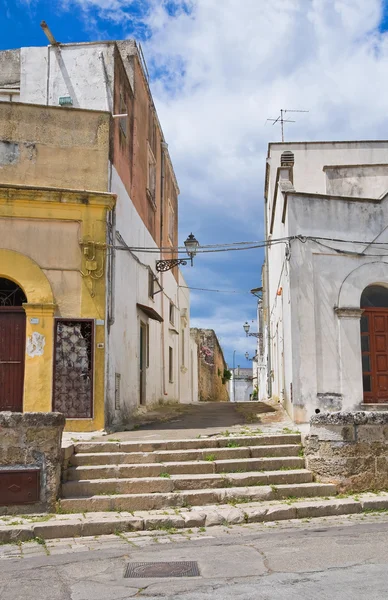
374, 296
10, 293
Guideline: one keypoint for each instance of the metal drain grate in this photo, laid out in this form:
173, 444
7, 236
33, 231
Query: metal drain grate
162, 569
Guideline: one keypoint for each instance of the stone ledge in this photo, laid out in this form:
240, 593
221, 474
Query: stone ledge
350, 418
32, 419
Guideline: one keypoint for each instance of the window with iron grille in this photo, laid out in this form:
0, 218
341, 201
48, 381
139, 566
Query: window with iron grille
73, 368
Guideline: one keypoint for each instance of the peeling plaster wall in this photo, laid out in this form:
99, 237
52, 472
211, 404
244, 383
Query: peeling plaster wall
57, 147
9, 68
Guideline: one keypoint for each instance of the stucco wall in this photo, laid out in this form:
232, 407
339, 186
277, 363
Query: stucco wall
211, 366
49, 146
131, 287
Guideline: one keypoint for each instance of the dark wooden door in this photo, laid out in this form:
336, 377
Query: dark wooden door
143, 362
374, 347
12, 353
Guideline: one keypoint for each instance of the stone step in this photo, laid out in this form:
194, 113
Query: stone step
191, 444
105, 523
180, 468
152, 485
161, 456
185, 498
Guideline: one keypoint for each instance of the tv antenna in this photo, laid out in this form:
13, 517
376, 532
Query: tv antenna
282, 120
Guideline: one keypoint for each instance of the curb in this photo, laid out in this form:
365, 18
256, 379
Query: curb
94, 524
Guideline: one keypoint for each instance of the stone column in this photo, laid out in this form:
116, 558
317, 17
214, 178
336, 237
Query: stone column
38, 374
350, 357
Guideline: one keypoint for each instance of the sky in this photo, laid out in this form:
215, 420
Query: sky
219, 69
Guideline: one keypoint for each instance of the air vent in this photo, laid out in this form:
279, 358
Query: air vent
287, 159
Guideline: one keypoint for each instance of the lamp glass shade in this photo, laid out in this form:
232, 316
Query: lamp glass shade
191, 245
246, 326
247, 355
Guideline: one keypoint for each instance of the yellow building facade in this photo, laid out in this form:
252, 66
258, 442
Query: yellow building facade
53, 261
54, 249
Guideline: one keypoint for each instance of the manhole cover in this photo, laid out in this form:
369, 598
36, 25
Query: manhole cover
162, 569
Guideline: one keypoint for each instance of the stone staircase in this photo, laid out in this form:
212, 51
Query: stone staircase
146, 476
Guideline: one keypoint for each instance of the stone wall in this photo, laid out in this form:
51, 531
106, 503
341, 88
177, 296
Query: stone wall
349, 449
212, 386
30, 442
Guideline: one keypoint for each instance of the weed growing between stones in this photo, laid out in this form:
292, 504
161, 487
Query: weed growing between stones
210, 457
165, 475
42, 542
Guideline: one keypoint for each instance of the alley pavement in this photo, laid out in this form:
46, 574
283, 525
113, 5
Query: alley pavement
199, 419
326, 558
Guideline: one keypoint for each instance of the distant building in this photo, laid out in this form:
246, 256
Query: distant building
213, 374
241, 385
324, 314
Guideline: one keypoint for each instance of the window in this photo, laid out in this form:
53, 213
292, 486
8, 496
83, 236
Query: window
172, 313
151, 179
374, 296
117, 390
123, 111
147, 345
171, 222
152, 130
170, 365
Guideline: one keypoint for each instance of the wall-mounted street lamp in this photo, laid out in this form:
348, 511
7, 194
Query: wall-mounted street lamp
247, 327
250, 358
191, 245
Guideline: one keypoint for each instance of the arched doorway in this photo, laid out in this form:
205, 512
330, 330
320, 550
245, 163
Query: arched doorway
12, 345
374, 344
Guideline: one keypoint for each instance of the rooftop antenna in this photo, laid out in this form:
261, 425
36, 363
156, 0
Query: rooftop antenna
280, 119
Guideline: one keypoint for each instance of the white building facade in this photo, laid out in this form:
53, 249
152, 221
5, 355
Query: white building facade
324, 313
241, 385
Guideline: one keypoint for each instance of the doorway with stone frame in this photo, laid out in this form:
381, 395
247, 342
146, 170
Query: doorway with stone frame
12, 345
374, 344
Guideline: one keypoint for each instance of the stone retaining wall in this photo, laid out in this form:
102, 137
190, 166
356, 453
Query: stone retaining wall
349, 449
31, 441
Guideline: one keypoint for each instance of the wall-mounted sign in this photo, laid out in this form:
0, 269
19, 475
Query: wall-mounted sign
65, 101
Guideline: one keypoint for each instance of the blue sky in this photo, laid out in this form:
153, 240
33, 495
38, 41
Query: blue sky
219, 69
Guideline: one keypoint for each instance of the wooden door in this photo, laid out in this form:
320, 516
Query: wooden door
143, 362
12, 354
374, 347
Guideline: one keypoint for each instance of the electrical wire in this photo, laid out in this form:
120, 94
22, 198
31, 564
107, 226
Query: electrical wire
187, 287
